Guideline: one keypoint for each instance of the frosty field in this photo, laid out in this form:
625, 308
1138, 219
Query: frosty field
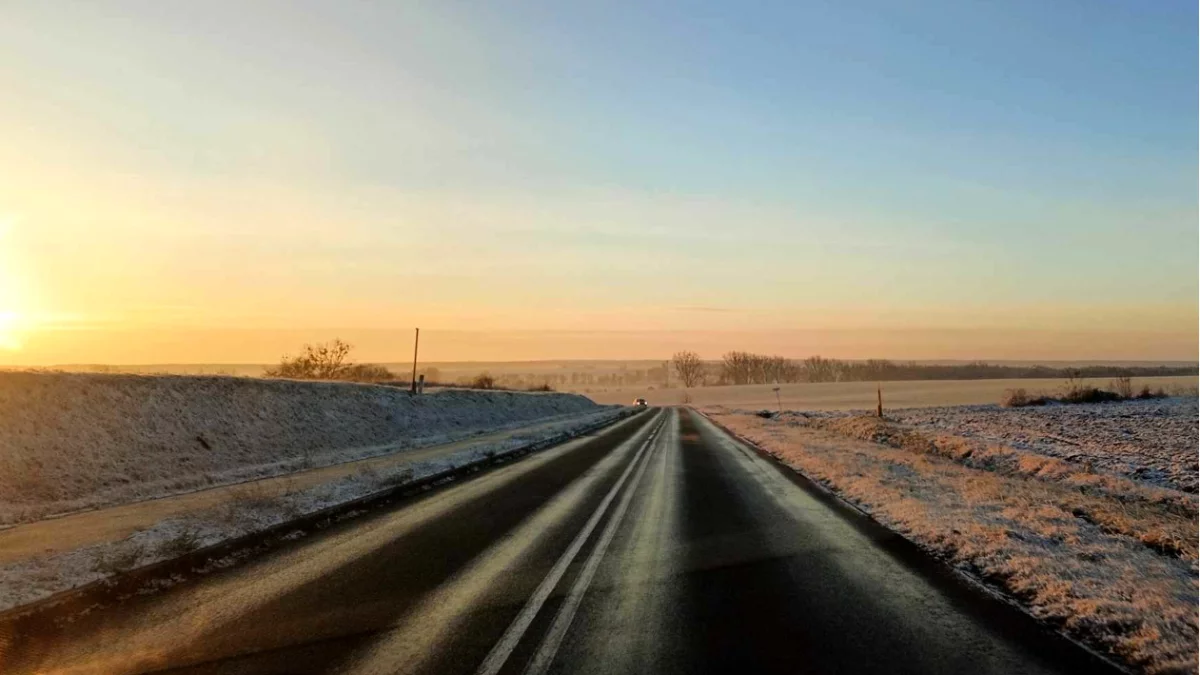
1149, 441
859, 395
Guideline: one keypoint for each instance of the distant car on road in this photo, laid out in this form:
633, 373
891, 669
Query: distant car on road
640, 403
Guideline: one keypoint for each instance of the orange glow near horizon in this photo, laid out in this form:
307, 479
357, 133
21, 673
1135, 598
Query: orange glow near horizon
11, 295
134, 293
211, 200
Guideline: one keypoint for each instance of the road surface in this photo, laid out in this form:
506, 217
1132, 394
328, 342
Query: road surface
660, 546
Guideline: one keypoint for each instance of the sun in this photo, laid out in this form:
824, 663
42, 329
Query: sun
9, 325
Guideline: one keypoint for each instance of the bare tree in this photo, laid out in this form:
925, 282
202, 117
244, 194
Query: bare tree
483, 381
735, 368
689, 368
323, 361
327, 361
1123, 386
748, 368
820, 369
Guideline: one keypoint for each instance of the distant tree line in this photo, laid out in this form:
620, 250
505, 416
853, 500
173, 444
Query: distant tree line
737, 367
330, 361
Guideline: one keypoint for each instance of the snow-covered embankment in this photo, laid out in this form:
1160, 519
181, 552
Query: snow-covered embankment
71, 441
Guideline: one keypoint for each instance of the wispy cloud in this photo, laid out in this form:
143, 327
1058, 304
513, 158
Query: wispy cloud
706, 309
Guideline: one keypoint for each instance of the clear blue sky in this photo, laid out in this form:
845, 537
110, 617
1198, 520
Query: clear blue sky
590, 166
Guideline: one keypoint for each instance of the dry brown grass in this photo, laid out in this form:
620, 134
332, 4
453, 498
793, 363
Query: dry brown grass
181, 543
1021, 534
120, 558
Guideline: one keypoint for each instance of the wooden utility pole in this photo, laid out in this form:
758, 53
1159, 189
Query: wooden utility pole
416, 342
879, 405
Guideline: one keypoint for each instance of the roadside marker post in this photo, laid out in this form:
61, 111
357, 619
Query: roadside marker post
416, 343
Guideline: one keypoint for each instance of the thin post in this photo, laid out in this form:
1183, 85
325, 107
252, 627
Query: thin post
879, 405
416, 343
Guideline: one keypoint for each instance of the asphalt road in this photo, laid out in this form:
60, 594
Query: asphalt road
660, 546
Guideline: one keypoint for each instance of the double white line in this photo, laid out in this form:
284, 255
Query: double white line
562, 621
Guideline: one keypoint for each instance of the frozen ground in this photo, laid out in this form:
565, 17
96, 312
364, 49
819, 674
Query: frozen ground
1153, 442
860, 395
1110, 562
250, 507
71, 441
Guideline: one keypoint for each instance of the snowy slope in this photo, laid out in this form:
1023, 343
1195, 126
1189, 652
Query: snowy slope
71, 440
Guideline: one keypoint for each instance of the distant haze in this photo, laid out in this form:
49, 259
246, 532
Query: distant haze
131, 346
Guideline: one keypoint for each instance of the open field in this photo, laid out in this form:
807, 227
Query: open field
73, 441
1153, 441
1107, 560
860, 395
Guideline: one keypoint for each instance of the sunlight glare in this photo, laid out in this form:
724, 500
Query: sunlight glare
9, 322
10, 318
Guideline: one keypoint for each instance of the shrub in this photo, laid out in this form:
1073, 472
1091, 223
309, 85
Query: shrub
483, 381
1019, 398
1015, 398
365, 372
1074, 387
542, 387
328, 361
322, 361
1145, 393
1089, 395
1123, 386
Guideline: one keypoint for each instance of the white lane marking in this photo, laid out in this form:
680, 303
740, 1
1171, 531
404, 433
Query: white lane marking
407, 646
566, 614
504, 647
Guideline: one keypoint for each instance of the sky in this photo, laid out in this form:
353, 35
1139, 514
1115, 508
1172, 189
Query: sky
221, 182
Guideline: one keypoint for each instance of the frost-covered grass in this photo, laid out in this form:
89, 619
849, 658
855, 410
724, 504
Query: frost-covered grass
71, 441
1154, 441
861, 395
250, 507
1086, 561
1151, 442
